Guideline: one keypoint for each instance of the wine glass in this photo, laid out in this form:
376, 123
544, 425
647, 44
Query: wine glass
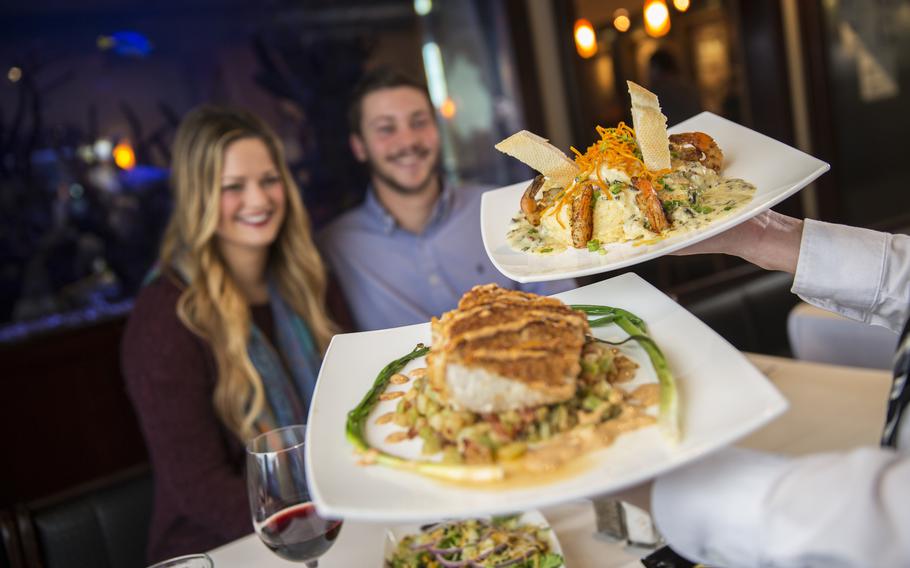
283, 515
188, 561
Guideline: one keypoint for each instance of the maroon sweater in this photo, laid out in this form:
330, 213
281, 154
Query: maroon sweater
200, 492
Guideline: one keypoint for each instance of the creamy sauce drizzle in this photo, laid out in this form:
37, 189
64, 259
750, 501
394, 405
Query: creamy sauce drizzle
646, 395
715, 197
715, 202
525, 237
563, 456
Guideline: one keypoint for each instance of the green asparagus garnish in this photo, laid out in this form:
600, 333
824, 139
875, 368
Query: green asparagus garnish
668, 412
356, 423
358, 416
592, 310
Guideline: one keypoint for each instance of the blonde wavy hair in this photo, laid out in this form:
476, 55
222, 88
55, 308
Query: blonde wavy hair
212, 305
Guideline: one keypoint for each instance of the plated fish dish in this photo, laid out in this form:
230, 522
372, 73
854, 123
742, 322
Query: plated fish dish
515, 384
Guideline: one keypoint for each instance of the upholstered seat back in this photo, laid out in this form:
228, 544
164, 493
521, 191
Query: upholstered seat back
10, 549
4, 554
106, 527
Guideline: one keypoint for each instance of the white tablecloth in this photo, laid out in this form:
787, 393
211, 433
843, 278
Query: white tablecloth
361, 544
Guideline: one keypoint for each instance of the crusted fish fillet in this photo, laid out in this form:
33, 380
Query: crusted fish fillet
503, 350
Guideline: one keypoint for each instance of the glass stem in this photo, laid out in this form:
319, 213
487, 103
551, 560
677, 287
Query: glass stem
311, 564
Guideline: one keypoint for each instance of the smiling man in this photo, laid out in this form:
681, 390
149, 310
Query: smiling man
413, 247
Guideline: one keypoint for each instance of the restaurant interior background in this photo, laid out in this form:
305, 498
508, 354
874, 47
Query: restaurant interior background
91, 94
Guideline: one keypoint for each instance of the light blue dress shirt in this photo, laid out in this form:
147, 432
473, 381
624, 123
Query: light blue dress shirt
392, 277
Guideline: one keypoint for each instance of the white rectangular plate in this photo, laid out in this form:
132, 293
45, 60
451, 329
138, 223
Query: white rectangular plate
777, 171
536, 518
722, 396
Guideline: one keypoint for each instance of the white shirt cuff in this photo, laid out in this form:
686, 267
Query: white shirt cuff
841, 268
858, 273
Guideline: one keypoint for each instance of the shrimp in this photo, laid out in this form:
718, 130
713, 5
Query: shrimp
532, 207
583, 216
529, 203
650, 204
697, 147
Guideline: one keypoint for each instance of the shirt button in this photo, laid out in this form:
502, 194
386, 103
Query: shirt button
435, 280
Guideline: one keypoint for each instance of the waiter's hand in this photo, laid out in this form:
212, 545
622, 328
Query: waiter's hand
769, 240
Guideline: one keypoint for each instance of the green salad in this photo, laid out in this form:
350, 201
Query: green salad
498, 543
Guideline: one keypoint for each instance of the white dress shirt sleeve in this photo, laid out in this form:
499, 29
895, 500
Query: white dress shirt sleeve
861, 274
748, 509
744, 508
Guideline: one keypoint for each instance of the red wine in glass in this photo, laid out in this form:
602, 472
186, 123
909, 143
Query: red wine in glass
283, 515
298, 533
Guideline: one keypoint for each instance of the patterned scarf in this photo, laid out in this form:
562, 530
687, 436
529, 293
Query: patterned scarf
287, 395
900, 392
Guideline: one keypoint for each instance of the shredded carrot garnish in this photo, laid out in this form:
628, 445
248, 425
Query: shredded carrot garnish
618, 149
566, 198
600, 182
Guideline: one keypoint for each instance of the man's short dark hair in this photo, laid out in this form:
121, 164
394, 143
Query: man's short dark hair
376, 80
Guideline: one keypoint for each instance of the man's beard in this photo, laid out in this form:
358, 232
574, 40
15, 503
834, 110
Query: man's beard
422, 151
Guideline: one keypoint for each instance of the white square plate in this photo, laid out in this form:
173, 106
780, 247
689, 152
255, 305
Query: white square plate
722, 397
536, 518
777, 171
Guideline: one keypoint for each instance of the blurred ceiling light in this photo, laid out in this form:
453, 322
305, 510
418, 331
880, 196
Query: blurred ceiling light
423, 7
657, 18
585, 38
436, 77
124, 156
14, 74
103, 149
448, 108
621, 20
681, 5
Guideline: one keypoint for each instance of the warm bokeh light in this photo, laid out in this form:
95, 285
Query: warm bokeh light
124, 156
448, 108
104, 42
681, 5
86, 153
585, 38
657, 18
621, 20
14, 74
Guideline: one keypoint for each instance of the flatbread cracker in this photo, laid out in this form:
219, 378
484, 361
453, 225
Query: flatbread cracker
650, 128
539, 154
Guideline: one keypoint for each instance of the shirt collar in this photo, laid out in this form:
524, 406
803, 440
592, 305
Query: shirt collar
377, 210
442, 206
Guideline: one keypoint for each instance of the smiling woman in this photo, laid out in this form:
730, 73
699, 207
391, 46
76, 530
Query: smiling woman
226, 339
252, 210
